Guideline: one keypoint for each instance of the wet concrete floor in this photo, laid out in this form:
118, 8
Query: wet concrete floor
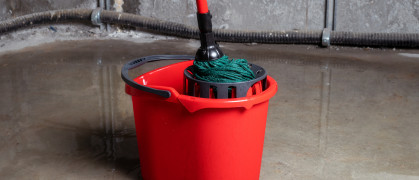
340, 113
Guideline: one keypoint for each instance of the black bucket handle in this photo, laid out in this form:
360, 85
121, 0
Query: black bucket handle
138, 62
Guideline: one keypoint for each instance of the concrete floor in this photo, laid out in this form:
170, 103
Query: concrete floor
340, 113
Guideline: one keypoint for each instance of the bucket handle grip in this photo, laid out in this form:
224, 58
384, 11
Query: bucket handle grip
138, 62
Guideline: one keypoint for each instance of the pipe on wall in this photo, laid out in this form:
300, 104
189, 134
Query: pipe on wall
329, 22
108, 7
102, 6
400, 40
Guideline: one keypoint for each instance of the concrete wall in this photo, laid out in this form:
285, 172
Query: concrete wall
378, 15
243, 14
351, 15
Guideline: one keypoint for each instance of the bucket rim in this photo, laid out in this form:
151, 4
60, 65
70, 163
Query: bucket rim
193, 104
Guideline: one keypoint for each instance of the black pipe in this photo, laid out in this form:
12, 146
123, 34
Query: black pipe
399, 40
58, 16
375, 39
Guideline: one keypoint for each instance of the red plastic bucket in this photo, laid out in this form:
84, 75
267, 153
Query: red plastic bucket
191, 138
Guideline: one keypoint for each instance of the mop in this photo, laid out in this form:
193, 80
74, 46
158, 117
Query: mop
211, 64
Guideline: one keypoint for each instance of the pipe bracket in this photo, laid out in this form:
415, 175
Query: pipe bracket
326, 37
95, 18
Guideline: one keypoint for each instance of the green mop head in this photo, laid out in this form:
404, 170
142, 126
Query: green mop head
223, 70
